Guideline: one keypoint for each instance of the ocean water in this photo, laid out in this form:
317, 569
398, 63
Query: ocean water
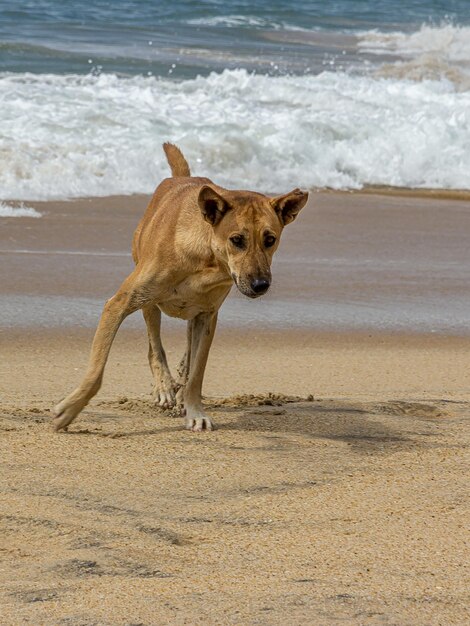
265, 95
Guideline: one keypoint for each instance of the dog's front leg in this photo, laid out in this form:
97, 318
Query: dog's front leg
125, 301
183, 367
202, 333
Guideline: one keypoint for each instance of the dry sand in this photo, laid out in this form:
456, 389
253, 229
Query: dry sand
335, 489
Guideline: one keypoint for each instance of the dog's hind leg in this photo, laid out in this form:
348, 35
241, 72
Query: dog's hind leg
127, 300
165, 386
202, 334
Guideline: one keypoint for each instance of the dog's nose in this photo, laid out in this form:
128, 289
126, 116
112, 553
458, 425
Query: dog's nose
260, 285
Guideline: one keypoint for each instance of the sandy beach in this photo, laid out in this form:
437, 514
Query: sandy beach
335, 489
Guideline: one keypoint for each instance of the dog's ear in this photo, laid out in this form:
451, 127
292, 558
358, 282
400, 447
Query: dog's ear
213, 206
289, 205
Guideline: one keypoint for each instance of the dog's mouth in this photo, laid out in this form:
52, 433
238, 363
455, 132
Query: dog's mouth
251, 294
256, 289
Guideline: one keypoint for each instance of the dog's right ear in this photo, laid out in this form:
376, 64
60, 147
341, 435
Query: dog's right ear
213, 206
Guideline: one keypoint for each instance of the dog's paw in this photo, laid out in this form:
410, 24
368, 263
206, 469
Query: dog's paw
65, 412
164, 394
164, 399
197, 421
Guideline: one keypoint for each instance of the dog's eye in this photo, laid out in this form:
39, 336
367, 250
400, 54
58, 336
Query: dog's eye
238, 241
269, 241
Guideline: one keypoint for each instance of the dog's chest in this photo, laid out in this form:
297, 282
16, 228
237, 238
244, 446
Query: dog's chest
200, 293
183, 309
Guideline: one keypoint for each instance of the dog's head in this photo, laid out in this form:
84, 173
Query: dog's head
246, 231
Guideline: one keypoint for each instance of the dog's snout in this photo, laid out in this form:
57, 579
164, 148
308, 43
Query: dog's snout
260, 285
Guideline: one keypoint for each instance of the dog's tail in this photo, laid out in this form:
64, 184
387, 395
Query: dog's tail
177, 162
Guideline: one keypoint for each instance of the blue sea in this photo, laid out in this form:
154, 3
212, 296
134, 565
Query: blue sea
261, 94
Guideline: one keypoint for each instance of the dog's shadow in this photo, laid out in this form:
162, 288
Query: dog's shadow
390, 425
336, 421
365, 426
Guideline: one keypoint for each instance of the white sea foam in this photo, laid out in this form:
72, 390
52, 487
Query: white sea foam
249, 21
448, 41
71, 136
231, 21
7, 210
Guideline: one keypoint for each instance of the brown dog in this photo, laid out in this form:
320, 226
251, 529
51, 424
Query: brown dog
193, 242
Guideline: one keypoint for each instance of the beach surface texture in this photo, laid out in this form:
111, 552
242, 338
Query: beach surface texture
335, 487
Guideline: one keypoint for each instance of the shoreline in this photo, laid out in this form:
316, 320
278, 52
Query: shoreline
174, 329
406, 192
429, 193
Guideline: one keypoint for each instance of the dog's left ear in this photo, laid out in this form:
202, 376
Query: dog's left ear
288, 206
213, 206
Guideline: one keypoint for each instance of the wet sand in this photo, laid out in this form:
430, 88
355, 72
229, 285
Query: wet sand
335, 488
350, 262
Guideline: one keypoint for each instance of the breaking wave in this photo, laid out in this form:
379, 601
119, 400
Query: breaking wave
431, 53
70, 136
448, 41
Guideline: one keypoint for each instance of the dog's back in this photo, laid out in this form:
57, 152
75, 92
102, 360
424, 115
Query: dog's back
172, 203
